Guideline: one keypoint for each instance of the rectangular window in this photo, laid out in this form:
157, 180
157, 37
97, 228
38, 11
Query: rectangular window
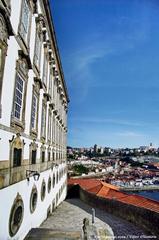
43, 121
50, 86
18, 100
37, 50
17, 154
33, 157
34, 112
45, 69
24, 22
53, 130
49, 127
43, 157
49, 156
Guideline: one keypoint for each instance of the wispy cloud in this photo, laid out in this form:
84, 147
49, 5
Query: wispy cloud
82, 62
129, 134
108, 120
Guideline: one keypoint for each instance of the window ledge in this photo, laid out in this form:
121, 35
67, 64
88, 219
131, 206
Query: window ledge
18, 125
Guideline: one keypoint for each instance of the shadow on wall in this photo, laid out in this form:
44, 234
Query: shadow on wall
73, 191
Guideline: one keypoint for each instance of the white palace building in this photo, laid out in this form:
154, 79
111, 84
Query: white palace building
33, 118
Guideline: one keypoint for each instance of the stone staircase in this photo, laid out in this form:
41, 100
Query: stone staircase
50, 234
92, 233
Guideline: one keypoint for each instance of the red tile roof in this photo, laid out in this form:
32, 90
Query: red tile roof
95, 189
85, 183
110, 186
109, 191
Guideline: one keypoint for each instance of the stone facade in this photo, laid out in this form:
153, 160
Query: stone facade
33, 115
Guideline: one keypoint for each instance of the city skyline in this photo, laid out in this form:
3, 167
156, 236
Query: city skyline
110, 58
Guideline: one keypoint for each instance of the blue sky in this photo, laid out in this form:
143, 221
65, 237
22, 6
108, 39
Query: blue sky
110, 56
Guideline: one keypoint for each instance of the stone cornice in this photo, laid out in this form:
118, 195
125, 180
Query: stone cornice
47, 8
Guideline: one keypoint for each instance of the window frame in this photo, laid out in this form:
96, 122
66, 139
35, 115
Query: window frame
43, 156
22, 71
35, 93
13, 228
45, 67
49, 126
43, 128
19, 90
16, 143
53, 128
37, 62
17, 160
51, 84
25, 39
33, 147
4, 47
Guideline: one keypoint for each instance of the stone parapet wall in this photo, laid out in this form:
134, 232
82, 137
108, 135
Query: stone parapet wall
143, 188
144, 218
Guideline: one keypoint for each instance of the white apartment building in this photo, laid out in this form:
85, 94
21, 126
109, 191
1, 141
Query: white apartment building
33, 117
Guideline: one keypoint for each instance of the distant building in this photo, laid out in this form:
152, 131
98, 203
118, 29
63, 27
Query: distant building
95, 148
143, 148
101, 150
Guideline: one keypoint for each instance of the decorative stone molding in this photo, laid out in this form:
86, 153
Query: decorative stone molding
35, 6
16, 215
48, 45
22, 55
6, 5
41, 22
43, 190
33, 145
3, 29
49, 152
47, 96
53, 180
49, 185
55, 73
5, 10
3, 52
16, 144
52, 105
33, 150
50, 57
52, 62
33, 199
55, 112
38, 81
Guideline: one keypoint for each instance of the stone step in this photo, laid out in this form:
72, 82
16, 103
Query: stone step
50, 234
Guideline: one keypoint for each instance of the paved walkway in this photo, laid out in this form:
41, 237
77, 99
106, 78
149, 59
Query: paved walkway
69, 217
70, 214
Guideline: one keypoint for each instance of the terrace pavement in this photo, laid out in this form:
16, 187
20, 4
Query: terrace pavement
70, 214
